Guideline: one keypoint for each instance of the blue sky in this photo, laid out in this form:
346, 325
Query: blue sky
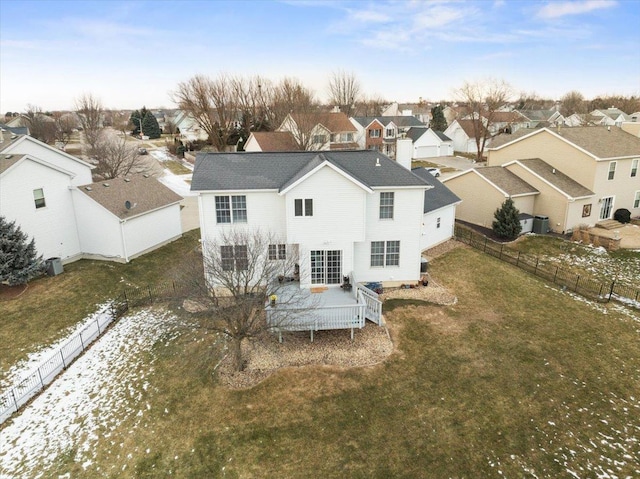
134, 53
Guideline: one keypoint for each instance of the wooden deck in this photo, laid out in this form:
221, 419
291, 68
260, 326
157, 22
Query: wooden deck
330, 308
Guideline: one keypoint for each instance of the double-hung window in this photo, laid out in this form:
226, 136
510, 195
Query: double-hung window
385, 253
636, 200
374, 133
234, 258
38, 198
612, 170
634, 168
386, 205
303, 207
231, 209
277, 251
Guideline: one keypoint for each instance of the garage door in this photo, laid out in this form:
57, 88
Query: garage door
426, 151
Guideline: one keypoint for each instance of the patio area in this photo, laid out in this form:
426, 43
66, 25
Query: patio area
629, 235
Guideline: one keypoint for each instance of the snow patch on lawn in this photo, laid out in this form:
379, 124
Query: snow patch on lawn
28, 366
93, 396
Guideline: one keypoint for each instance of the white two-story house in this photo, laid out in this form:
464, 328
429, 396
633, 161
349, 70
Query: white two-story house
354, 213
51, 196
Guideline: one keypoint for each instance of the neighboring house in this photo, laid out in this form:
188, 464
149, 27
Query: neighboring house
483, 190
321, 131
533, 118
428, 143
507, 121
635, 117
603, 160
610, 117
439, 214
190, 130
271, 141
421, 111
349, 213
381, 133
15, 130
631, 127
123, 218
40, 189
462, 134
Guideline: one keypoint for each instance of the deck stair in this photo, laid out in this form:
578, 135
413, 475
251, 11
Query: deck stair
609, 224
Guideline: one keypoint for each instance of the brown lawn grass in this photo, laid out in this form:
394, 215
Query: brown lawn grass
51, 305
516, 378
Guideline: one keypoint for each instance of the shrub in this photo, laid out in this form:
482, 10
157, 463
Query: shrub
507, 224
19, 261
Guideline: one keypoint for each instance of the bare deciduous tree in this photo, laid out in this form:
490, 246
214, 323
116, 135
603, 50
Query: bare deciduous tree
344, 91
40, 125
89, 110
483, 99
573, 102
370, 106
291, 96
212, 104
65, 123
116, 157
242, 270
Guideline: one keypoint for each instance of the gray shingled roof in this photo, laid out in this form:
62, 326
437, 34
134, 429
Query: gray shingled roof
275, 171
441, 135
507, 181
558, 179
537, 115
415, 132
438, 196
144, 193
402, 121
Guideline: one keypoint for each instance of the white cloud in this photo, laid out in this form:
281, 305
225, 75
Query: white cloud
369, 16
561, 9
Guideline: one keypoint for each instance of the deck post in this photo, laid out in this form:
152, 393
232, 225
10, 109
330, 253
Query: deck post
351, 334
279, 335
311, 331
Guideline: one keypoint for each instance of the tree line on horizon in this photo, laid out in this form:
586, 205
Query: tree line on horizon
228, 108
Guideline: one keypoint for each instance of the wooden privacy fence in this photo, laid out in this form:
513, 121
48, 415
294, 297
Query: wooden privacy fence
585, 286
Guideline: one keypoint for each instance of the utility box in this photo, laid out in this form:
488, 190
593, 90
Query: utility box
424, 265
540, 224
54, 266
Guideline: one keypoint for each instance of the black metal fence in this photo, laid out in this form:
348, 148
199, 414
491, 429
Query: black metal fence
36, 381
30, 386
583, 285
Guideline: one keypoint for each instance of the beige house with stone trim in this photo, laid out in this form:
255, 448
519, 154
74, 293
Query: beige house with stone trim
602, 160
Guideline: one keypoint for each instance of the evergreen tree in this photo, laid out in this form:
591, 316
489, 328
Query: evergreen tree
19, 262
150, 126
507, 224
135, 121
438, 121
